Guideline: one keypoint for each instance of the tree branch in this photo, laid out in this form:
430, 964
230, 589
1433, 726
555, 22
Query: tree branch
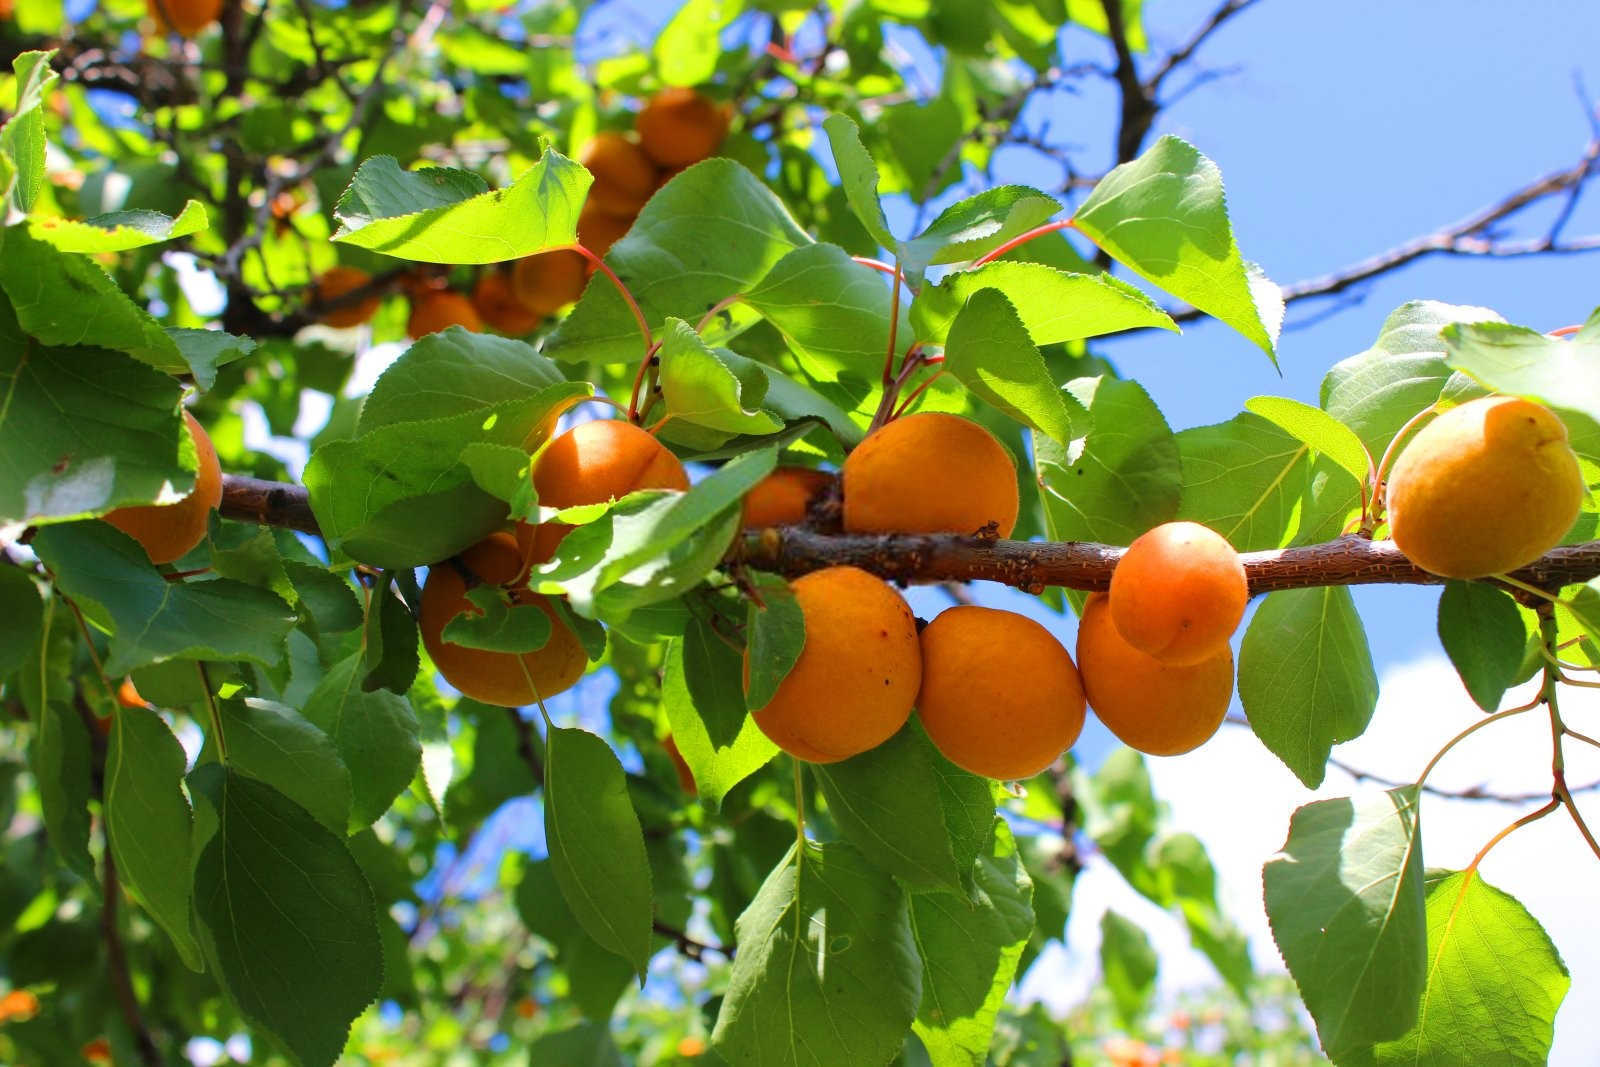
1184, 52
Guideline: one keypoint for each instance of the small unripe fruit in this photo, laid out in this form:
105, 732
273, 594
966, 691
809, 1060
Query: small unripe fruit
624, 177
498, 306
169, 531
1484, 488
1157, 708
1000, 697
549, 281
680, 126
930, 473
185, 17
501, 678
857, 676
780, 499
1179, 592
441, 310
335, 282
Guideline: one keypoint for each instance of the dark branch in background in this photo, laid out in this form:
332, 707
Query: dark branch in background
117, 964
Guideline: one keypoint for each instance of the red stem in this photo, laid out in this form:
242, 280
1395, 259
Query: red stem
894, 329
638, 316
1022, 239
720, 306
880, 266
1565, 331
918, 391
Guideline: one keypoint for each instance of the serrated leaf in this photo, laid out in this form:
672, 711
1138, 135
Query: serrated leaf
1519, 361
700, 387
978, 224
287, 915
61, 766
502, 471
328, 598
375, 732
1165, 217
989, 352
701, 694
827, 969
148, 823
499, 625
1344, 898
436, 215
119, 231
22, 138
275, 744
206, 350
858, 175
454, 372
21, 618
1483, 633
833, 312
1128, 966
1055, 306
1317, 429
1243, 478
777, 634
596, 844
1306, 677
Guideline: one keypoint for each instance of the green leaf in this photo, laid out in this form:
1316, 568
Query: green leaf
1128, 966
1495, 981
1306, 678
287, 914
883, 803
390, 659
688, 47
497, 772
970, 228
595, 977
156, 619
436, 215
61, 766
375, 732
585, 1044
596, 844
206, 350
119, 231
1165, 217
1243, 478
1121, 816
989, 352
777, 634
858, 174
1316, 428
1344, 897
702, 388
499, 625
1055, 306
458, 372
21, 618
1523, 362
325, 595
22, 138
275, 744
827, 969
1483, 633
1188, 880
149, 823
704, 702
833, 312
969, 950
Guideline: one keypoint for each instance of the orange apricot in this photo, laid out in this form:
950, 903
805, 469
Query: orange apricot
680, 126
1000, 697
1179, 592
185, 17
441, 310
930, 473
1484, 488
624, 177
503, 678
681, 765
168, 531
128, 695
1152, 706
334, 283
548, 281
598, 230
857, 676
780, 499
497, 305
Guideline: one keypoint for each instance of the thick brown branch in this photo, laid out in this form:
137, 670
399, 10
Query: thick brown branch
267, 503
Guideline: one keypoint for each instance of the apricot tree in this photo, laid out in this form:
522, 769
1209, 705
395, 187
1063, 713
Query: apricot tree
320, 748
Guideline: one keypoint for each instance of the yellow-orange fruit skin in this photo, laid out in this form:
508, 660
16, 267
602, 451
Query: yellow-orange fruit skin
1000, 697
169, 531
1484, 488
1157, 708
857, 675
441, 310
680, 126
496, 677
498, 306
781, 497
335, 282
549, 281
598, 230
188, 17
930, 473
1179, 592
624, 177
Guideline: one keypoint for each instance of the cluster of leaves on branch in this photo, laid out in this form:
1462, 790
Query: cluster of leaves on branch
248, 743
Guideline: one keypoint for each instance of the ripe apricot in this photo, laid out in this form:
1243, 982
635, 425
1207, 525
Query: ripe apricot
624, 177
503, 678
1485, 488
1152, 706
549, 281
596, 461
930, 473
1179, 592
598, 230
498, 305
168, 531
680, 126
781, 497
857, 676
186, 17
1000, 697
334, 283
441, 310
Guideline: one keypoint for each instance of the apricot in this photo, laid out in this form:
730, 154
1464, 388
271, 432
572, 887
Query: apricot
857, 676
187, 17
593, 462
780, 499
1484, 488
1179, 592
1000, 697
503, 678
1155, 707
334, 283
498, 305
624, 177
549, 281
930, 473
680, 126
168, 531
441, 310
598, 230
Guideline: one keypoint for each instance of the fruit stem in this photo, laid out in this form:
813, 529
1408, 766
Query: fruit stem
894, 327
918, 391
716, 309
1474, 728
627, 295
1021, 239
1532, 816
1378, 495
649, 360
880, 266
1565, 331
